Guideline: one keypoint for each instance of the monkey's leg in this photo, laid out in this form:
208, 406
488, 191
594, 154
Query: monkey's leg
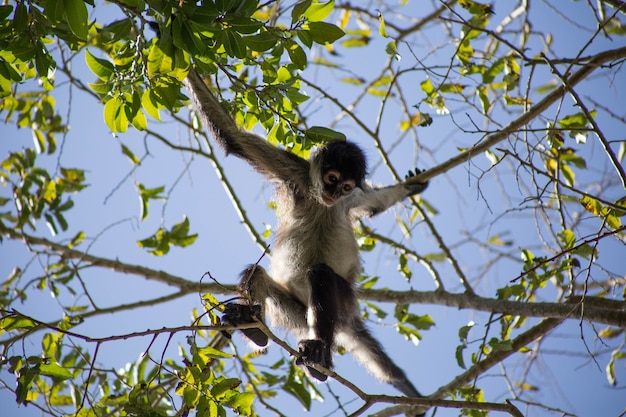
328, 292
369, 352
267, 298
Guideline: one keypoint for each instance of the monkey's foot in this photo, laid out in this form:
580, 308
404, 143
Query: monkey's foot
236, 314
314, 352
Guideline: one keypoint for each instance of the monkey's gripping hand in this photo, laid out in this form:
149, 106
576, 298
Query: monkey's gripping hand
417, 187
237, 314
315, 352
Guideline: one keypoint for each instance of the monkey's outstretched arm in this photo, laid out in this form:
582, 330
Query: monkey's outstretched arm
371, 201
264, 157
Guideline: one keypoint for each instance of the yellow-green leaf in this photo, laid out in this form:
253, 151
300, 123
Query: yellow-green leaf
381, 29
319, 11
50, 191
101, 67
55, 370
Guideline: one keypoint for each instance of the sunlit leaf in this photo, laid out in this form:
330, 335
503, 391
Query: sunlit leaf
381, 29
317, 12
101, 67
55, 370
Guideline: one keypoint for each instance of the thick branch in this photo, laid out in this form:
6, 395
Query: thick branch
602, 311
114, 265
610, 313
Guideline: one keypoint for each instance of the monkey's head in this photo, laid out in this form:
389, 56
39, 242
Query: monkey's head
337, 169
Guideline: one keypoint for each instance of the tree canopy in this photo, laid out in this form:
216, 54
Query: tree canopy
123, 228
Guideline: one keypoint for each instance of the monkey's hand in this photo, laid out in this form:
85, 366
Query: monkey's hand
236, 314
417, 187
314, 352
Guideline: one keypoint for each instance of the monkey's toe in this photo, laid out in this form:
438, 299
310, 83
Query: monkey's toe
314, 352
236, 314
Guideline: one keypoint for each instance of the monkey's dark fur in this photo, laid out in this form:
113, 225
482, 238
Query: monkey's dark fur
315, 257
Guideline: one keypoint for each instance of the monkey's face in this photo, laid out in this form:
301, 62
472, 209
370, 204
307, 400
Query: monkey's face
336, 186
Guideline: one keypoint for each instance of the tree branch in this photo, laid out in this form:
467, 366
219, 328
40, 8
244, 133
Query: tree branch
525, 118
601, 311
496, 357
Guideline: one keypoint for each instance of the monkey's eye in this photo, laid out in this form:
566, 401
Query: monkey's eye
331, 177
347, 187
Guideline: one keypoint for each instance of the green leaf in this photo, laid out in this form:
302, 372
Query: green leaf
353, 80
133, 158
515, 101
241, 403
410, 334
225, 385
568, 239
139, 121
235, 46
208, 352
111, 111
381, 29
501, 345
476, 8
403, 266
421, 322
572, 121
55, 370
50, 191
13, 323
162, 239
459, 356
378, 312
427, 87
568, 174
120, 29
297, 389
464, 331
325, 33
554, 137
493, 71
146, 194
591, 205
319, 134
261, 42
165, 59
150, 104
484, 99
465, 52
101, 67
5, 11
191, 395
296, 54
392, 50
317, 12
451, 88
20, 18
76, 17
299, 9
76, 240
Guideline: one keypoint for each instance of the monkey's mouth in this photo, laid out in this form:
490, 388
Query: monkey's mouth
328, 199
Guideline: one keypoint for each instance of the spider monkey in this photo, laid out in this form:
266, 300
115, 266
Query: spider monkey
315, 257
